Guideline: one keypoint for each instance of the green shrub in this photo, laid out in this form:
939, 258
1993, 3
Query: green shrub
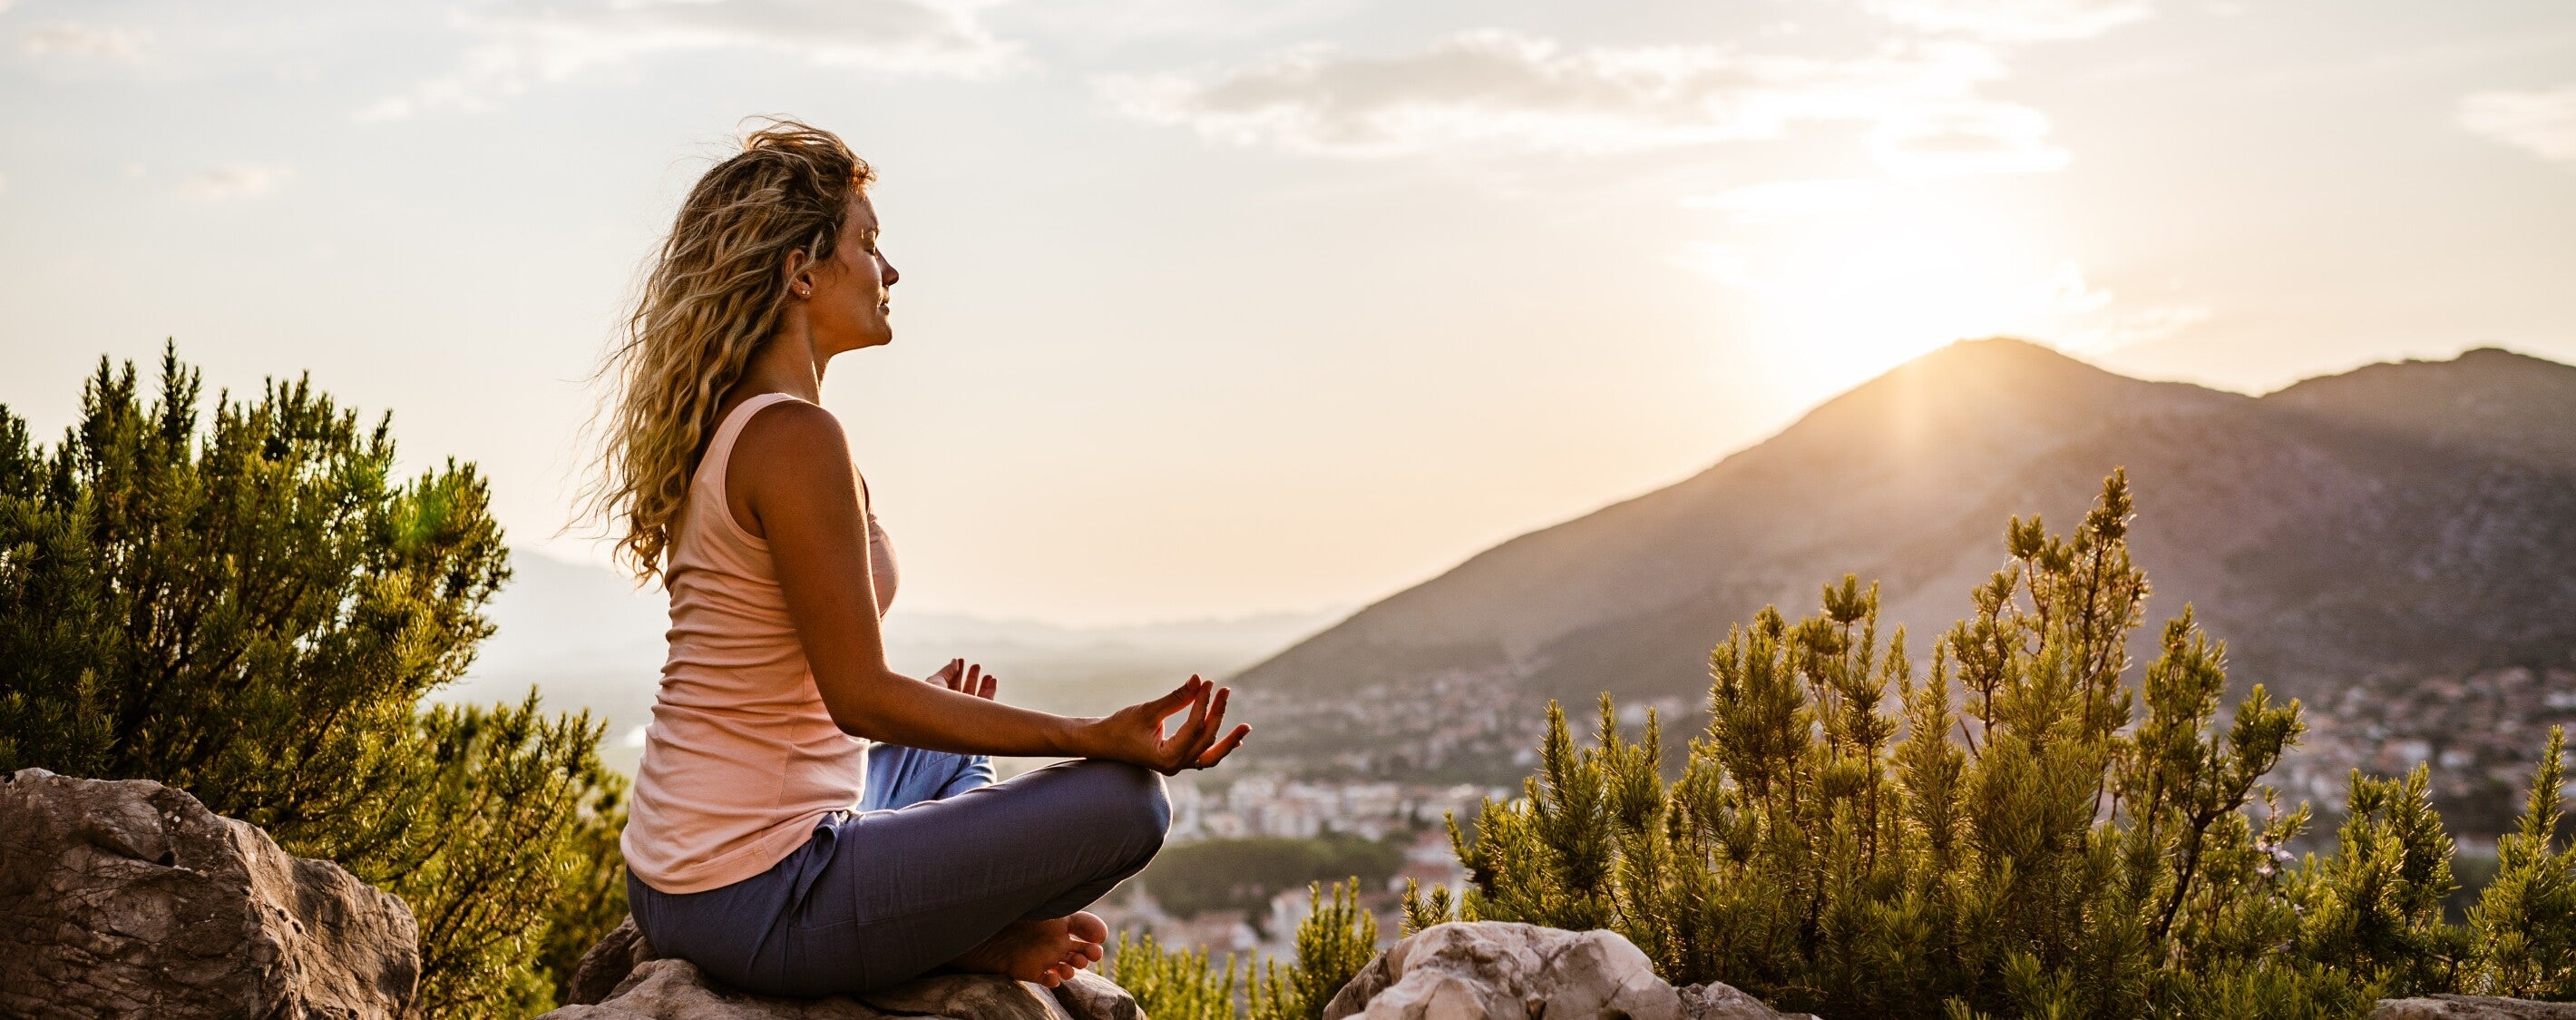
1335, 940
253, 614
1172, 984
2523, 928
2014, 838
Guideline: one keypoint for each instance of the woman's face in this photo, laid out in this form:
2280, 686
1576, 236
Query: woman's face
850, 300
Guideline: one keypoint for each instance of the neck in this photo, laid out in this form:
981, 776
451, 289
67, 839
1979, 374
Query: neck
788, 363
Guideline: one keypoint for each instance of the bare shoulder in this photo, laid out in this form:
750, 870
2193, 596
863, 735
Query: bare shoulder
790, 458
793, 430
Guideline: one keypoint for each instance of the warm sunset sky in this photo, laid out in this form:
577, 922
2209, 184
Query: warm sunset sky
1222, 307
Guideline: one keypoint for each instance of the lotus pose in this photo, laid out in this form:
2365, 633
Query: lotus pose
806, 820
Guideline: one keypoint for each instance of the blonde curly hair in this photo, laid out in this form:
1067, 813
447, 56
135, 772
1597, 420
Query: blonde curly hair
716, 290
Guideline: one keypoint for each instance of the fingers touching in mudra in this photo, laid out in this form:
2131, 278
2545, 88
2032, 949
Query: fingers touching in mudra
1141, 733
965, 678
1136, 733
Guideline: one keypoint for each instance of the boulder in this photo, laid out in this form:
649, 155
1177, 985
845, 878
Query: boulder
1501, 969
1469, 969
131, 899
2471, 1007
621, 978
1715, 1001
616, 955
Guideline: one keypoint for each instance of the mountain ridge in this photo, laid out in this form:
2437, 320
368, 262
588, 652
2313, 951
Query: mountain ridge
2413, 516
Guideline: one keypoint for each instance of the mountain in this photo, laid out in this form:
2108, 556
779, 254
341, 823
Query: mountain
2408, 518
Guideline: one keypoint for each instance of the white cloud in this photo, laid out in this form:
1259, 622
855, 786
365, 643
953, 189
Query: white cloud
234, 181
1966, 138
522, 44
2542, 121
71, 39
1194, 20
2089, 322
1492, 86
2013, 20
1777, 202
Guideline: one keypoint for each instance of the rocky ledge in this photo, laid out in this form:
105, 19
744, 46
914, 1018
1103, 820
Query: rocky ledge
126, 899
622, 978
1494, 969
122, 899
1502, 969
2471, 1007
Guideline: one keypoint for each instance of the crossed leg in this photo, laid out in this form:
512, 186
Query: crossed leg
1045, 950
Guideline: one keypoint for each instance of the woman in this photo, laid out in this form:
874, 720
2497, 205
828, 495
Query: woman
767, 841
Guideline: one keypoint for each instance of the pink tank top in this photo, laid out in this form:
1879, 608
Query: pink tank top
741, 757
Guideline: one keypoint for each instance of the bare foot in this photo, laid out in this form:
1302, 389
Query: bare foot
1088, 927
1048, 952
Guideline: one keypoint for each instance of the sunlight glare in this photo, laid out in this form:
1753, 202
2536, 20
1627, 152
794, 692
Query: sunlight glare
1837, 301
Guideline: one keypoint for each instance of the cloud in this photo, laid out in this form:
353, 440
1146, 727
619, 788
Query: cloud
2543, 121
234, 181
2088, 322
526, 43
1976, 138
2013, 20
1193, 20
1498, 87
1779, 202
70, 39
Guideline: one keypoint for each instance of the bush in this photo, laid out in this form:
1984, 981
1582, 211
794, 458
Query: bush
253, 615
2014, 839
1172, 984
2523, 928
1336, 939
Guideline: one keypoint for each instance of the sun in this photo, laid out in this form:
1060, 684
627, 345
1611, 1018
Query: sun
1832, 304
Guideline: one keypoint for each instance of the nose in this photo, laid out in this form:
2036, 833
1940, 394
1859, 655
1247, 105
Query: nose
890, 275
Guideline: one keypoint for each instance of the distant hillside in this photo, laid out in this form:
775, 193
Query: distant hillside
586, 638
2405, 518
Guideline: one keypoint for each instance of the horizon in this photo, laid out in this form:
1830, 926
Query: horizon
1217, 310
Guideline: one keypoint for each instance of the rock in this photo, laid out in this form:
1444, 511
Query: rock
131, 899
1092, 997
1501, 969
2471, 1007
675, 990
1715, 1001
616, 955
966, 997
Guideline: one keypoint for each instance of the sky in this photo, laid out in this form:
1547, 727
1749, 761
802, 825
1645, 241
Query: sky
1227, 307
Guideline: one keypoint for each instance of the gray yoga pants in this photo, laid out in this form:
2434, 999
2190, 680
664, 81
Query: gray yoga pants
938, 859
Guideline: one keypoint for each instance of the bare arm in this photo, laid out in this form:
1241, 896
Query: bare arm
791, 468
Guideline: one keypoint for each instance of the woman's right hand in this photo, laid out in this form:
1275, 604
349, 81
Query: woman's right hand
1135, 734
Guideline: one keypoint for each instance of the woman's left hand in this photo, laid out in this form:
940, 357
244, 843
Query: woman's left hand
1135, 733
965, 678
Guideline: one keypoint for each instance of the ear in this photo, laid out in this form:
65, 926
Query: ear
799, 271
